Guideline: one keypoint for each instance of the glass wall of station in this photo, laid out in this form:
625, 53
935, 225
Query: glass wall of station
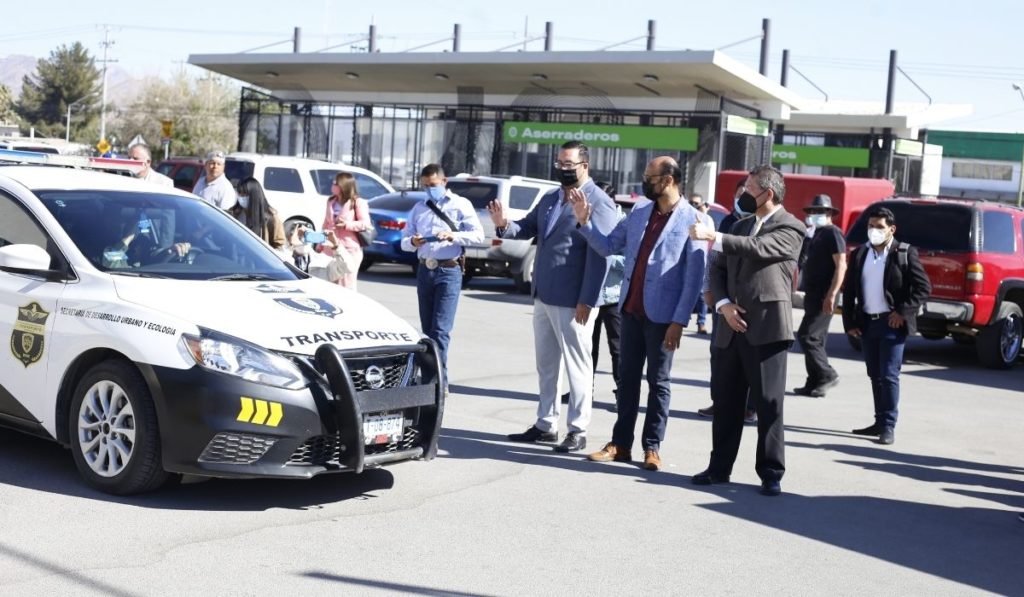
396, 141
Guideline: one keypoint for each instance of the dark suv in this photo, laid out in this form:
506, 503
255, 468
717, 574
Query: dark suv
973, 252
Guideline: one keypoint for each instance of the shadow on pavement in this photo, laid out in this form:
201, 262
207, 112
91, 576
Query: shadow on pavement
393, 587
979, 547
499, 296
79, 579
42, 465
606, 405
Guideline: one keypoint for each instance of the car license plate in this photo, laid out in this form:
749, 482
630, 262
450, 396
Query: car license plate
382, 429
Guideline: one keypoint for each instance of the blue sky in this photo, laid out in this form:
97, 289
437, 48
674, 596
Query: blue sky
963, 52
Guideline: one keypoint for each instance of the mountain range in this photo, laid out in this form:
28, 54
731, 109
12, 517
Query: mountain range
122, 86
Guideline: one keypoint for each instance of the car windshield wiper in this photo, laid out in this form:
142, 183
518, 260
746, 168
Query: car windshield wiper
243, 277
136, 274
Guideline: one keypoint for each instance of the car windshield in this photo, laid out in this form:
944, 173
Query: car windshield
165, 236
927, 226
478, 193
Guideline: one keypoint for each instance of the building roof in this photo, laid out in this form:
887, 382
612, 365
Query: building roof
664, 76
979, 145
646, 80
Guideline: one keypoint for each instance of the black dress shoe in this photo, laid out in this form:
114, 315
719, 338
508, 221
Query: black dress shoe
804, 390
875, 429
887, 436
533, 435
574, 442
708, 478
771, 487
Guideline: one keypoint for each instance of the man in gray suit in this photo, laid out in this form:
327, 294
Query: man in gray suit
567, 280
752, 291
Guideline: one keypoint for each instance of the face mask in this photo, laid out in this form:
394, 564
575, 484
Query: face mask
817, 220
736, 206
243, 201
748, 202
649, 192
877, 237
568, 178
435, 193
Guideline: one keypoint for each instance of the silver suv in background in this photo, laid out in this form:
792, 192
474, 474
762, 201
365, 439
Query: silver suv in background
496, 256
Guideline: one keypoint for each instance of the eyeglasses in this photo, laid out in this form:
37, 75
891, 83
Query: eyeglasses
654, 177
567, 165
696, 205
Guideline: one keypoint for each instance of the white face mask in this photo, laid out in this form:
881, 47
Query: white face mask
817, 220
243, 201
877, 237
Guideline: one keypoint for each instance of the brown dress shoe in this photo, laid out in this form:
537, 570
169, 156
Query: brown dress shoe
611, 452
652, 461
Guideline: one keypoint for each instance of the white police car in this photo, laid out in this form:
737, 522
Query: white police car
154, 336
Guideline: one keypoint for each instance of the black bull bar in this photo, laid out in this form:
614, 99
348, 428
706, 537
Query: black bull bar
345, 408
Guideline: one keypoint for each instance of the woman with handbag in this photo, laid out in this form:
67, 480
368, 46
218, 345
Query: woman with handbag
348, 217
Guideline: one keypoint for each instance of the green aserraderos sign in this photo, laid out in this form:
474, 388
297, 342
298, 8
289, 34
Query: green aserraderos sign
601, 135
813, 155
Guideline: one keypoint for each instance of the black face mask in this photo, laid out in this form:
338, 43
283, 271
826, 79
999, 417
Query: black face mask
748, 202
648, 190
568, 178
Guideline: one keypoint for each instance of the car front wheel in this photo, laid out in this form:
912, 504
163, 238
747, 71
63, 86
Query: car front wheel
999, 344
112, 424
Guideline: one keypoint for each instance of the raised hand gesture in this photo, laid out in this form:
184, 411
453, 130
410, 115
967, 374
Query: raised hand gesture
580, 206
497, 211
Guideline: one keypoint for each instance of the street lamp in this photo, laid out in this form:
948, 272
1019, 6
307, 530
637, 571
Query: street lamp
67, 129
1020, 176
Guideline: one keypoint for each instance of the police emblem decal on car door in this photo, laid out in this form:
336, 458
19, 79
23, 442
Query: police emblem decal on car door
29, 333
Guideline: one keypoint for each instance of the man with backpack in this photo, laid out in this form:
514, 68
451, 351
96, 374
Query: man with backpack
883, 290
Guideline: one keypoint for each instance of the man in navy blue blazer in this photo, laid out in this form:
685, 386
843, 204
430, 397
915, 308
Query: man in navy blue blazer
567, 280
664, 274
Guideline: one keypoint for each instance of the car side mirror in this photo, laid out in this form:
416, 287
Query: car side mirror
30, 260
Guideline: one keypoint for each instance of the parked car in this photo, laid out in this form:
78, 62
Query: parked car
298, 188
142, 356
184, 171
390, 215
973, 252
496, 256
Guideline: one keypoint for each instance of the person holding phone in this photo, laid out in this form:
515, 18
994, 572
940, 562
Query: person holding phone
347, 214
437, 230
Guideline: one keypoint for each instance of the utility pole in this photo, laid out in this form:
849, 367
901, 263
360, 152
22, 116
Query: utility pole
106, 43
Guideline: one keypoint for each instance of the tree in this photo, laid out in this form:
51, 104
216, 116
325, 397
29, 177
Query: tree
7, 113
203, 112
68, 75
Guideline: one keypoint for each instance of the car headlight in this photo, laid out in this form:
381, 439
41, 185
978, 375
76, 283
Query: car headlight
224, 354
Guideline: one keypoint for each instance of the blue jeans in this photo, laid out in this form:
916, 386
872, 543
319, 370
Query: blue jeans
438, 291
643, 340
883, 355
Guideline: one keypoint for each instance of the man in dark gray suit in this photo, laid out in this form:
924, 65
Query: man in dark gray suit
752, 291
567, 280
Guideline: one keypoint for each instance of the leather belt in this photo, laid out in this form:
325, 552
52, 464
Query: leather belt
876, 316
432, 263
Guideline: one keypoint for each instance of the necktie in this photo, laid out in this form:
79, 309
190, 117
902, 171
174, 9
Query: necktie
553, 216
757, 226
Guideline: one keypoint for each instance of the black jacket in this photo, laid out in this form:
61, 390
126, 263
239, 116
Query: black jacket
904, 291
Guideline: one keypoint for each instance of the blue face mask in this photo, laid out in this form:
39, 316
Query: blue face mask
435, 193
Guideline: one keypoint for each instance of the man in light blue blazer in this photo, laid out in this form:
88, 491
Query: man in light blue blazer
567, 280
663, 276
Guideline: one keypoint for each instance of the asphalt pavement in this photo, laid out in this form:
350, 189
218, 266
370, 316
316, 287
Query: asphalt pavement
933, 514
